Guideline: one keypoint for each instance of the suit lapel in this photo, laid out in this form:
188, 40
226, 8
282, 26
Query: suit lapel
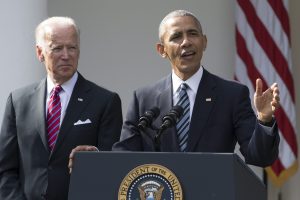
169, 141
204, 102
39, 100
78, 101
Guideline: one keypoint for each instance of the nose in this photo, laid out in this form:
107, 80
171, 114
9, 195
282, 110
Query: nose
186, 41
65, 53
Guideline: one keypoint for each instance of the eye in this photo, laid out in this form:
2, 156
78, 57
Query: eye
73, 47
194, 33
175, 37
56, 49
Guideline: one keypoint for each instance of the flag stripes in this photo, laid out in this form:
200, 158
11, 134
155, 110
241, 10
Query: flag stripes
266, 42
263, 51
282, 14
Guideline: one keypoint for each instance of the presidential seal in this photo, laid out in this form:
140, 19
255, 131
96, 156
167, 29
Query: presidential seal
150, 182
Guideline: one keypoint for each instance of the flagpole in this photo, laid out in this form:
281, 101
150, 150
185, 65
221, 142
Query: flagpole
279, 195
265, 181
265, 178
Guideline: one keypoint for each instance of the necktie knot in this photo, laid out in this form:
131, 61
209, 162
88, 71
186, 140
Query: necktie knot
183, 89
184, 86
56, 90
183, 96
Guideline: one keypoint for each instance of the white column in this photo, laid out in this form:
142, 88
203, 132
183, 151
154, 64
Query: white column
19, 65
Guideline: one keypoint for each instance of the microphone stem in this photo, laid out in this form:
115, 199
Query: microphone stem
157, 139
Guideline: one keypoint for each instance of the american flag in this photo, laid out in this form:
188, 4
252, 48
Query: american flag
264, 50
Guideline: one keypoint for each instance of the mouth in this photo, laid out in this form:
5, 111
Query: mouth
187, 54
64, 65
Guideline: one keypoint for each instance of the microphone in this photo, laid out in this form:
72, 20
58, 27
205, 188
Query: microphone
171, 118
148, 117
168, 121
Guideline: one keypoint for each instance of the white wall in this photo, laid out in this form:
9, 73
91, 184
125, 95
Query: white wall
119, 36
18, 19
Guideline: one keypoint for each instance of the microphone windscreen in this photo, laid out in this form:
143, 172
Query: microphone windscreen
178, 110
155, 112
147, 118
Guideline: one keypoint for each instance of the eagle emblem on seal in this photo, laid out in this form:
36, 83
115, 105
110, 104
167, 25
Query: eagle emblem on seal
150, 190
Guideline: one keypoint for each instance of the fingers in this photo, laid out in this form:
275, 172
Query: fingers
82, 148
272, 91
276, 98
266, 102
275, 89
76, 149
258, 91
70, 165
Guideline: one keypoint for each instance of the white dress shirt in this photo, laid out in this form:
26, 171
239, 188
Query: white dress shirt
65, 94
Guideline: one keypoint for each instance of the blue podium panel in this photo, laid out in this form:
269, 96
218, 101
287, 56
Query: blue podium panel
188, 176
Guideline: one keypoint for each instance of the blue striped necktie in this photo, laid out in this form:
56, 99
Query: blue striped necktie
184, 122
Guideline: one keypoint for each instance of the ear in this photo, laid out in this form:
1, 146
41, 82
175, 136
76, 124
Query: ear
204, 40
161, 50
39, 53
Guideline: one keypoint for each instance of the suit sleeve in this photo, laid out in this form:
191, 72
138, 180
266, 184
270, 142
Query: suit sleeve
110, 124
10, 183
258, 144
131, 139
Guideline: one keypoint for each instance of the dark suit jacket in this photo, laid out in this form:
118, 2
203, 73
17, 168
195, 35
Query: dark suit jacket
27, 168
216, 125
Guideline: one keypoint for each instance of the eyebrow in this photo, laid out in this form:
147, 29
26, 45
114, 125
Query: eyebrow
188, 31
194, 30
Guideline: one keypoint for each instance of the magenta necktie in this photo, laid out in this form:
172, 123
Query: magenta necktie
53, 116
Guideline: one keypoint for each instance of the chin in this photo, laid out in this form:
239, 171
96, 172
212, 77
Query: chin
188, 68
66, 74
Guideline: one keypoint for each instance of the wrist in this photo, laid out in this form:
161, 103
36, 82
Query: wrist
266, 121
264, 118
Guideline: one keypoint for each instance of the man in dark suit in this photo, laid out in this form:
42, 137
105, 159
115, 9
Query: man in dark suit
219, 112
33, 165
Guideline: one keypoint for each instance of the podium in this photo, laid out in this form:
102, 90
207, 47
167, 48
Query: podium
207, 176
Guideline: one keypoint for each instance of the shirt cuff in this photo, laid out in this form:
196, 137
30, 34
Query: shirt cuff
268, 126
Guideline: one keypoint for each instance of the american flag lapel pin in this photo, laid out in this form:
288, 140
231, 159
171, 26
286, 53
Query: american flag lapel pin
208, 99
80, 99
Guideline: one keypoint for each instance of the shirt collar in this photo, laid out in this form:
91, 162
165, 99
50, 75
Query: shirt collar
67, 86
193, 81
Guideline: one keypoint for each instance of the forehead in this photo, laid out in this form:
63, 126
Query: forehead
181, 23
61, 34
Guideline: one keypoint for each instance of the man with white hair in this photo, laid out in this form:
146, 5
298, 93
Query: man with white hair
43, 122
